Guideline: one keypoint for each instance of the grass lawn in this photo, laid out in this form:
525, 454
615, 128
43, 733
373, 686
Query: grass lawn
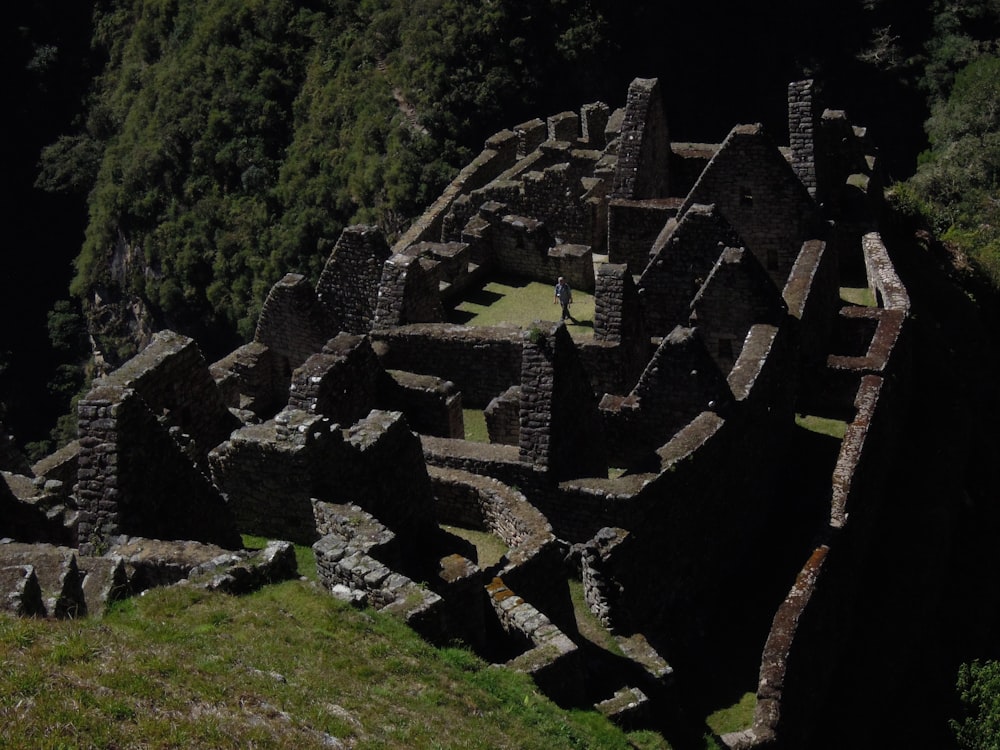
836, 428
489, 547
288, 666
475, 425
733, 718
521, 303
858, 296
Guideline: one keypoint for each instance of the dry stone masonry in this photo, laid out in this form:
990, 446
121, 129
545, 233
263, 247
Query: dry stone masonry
648, 462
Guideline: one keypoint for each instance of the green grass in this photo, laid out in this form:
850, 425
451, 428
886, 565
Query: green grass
475, 425
489, 547
587, 623
823, 425
858, 296
733, 718
521, 303
304, 555
284, 667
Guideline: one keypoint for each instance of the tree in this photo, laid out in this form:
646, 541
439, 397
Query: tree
978, 728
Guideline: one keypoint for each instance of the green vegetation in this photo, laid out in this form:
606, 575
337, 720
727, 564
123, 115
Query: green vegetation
305, 558
978, 727
858, 296
489, 547
475, 425
733, 718
283, 667
521, 303
836, 428
588, 625
226, 143
955, 187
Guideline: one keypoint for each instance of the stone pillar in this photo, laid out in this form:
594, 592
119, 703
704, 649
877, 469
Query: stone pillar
802, 132
561, 428
644, 146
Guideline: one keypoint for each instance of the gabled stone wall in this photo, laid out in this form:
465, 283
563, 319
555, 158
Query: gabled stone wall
644, 145
683, 256
135, 479
737, 294
680, 381
172, 378
348, 286
754, 188
343, 381
292, 325
252, 378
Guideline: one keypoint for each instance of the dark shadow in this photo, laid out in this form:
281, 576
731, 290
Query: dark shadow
582, 323
517, 282
460, 317
482, 297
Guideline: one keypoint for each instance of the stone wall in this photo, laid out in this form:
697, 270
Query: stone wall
812, 295
683, 256
292, 325
803, 122
252, 378
561, 430
348, 286
499, 154
343, 381
758, 193
481, 362
633, 227
348, 564
432, 406
737, 294
28, 521
172, 378
644, 145
553, 661
534, 560
680, 381
809, 632
407, 293
525, 248
268, 473
135, 479
503, 417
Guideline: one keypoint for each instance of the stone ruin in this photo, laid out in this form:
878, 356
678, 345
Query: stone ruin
649, 461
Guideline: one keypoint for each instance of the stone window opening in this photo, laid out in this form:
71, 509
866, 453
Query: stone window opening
772, 259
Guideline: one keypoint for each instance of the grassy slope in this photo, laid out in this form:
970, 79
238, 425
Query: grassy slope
284, 667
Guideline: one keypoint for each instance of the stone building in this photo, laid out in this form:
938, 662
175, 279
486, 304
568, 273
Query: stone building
648, 461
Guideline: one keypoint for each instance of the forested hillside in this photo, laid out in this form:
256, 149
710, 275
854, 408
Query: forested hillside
217, 145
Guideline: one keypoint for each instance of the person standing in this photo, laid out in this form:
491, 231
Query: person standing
564, 296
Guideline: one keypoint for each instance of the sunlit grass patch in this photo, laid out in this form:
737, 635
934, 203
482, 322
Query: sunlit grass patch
489, 547
475, 425
735, 717
836, 428
858, 296
521, 303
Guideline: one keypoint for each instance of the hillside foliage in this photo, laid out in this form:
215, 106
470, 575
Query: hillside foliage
956, 188
228, 142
